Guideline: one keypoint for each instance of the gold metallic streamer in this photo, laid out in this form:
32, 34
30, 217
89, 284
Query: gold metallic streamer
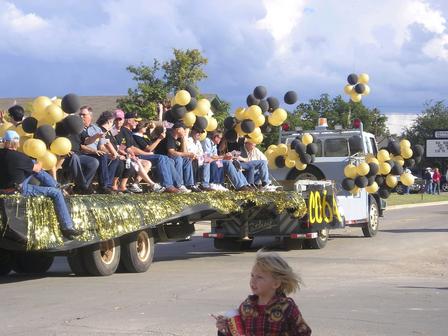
106, 216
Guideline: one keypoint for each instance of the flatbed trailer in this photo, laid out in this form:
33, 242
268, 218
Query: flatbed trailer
120, 230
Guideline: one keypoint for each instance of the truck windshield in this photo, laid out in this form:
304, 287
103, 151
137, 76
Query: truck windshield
335, 147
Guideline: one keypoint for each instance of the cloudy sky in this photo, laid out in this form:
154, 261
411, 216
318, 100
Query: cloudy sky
50, 47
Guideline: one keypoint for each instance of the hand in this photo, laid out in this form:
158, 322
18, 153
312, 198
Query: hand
228, 156
99, 152
99, 135
221, 323
162, 135
2, 116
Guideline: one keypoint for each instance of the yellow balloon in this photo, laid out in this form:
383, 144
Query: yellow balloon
399, 159
406, 153
350, 171
48, 160
273, 121
348, 89
252, 112
271, 163
272, 147
256, 132
383, 155
355, 97
240, 113
61, 146
363, 78
238, 130
202, 107
307, 138
372, 159
391, 181
363, 169
268, 153
58, 102
4, 127
22, 141
257, 139
39, 105
189, 119
182, 97
407, 179
355, 190
212, 124
290, 163
384, 168
279, 116
34, 148
282, 149
53, 113
203, 136
366, 90
373, 188
292, 155
405, 144
300, 165
259, 120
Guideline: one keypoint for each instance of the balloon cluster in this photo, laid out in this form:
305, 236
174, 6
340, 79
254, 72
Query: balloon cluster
261, 112
379, 174
299, 153
192, 111
43, 135
357, 86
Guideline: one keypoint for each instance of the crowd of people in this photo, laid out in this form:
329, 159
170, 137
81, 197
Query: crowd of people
432, 179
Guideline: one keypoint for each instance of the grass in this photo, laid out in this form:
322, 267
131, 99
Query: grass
396, 199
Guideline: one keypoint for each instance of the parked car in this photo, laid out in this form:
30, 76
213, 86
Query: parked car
417, 187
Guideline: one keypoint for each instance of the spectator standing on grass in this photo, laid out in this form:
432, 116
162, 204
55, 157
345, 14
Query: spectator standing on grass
436, 177
427, 176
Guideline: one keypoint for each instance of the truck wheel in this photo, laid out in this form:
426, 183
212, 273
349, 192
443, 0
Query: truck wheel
137, 252
76, 263
444, 187
400, 189
371, 227
292, 244
102, 258
32, 263
232, 244
6, 261
319, 242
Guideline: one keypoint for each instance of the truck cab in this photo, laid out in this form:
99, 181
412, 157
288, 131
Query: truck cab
337, 148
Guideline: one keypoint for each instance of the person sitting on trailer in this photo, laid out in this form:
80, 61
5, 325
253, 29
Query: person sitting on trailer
16, 170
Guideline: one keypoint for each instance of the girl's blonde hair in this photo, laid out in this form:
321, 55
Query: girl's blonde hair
272, 262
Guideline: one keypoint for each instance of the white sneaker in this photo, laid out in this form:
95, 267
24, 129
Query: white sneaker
220, 187
184, 189
269, 187
214, 187
135, 188
157, 188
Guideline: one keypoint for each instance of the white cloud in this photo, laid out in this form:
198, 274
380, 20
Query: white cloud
14, 20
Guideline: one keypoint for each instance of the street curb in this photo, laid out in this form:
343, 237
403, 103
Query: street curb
415, 205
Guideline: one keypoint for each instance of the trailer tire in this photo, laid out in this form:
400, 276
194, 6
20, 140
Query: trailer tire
32, 263
137, 252
232, 244
371, 228
6, 262
103, 258
76, 263
318, 243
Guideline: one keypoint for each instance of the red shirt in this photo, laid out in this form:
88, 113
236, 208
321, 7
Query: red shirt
436, 176
280, 317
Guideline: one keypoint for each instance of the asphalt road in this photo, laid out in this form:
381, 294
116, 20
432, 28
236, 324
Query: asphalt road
393, 284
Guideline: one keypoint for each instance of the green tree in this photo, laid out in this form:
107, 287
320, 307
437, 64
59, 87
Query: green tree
221, 110
185, 69
151, 90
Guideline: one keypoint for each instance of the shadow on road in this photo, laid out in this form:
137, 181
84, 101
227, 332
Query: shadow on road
424, 287
414, 230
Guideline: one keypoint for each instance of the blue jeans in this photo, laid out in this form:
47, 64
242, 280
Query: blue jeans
106, 170
217, 174
184, 169
165, 168
82, 168
49, 188
428, 187
256, 171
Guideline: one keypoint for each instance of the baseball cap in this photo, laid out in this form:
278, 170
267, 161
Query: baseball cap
11, 135
119, 114
132, 115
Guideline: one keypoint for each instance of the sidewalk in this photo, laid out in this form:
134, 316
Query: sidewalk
414, 205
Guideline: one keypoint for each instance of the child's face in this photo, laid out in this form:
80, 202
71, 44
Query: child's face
263, 283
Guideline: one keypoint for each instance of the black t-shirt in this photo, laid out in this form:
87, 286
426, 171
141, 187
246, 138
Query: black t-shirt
126, 138
14, 168
168, 143
77, 140
141, 141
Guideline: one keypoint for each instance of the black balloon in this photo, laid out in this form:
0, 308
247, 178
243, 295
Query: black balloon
348, 184
29, 125
260, 92
294, 143
169, 117
229, 122
306, 158
264, 105
192, 104
391, 163
73, 124
360, 88
379, 180
191, 90
418, 150
201, 123
370, 180
251, 100
393, 147
312, 148
361, 181
70, 103
178, 111
396, 170
300, 149
313, 158
231, 135
355, 143
417, 159
384, 192
352, 79
373, 169
247, 126
46, 133
273, 103
61, 130
290, 97
280, 161
409, 163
